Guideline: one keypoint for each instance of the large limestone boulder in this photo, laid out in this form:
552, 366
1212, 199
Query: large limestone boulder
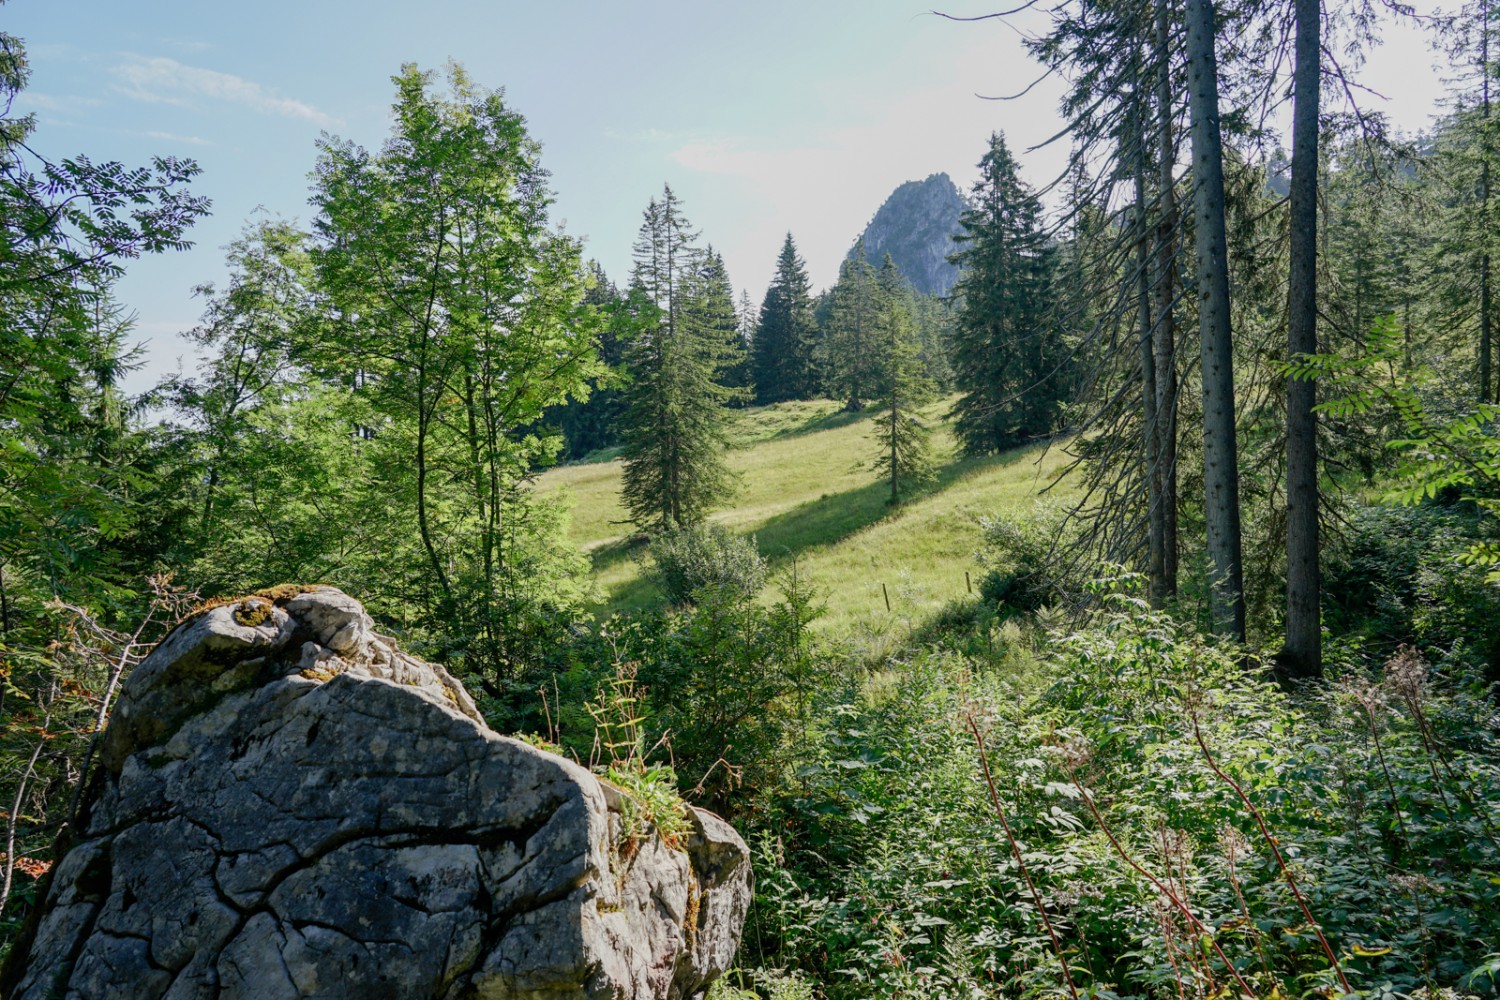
288, 806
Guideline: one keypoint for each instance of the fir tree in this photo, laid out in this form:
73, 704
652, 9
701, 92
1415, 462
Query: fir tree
933, 316
1007, 350
850, 365
675, 425
593, 423
740, 374
782, 357
901, 387
720, 322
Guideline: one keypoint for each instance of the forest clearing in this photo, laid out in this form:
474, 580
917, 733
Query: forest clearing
510, 517
809, 496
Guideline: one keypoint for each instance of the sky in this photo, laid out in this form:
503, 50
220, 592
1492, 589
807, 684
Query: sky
765, 117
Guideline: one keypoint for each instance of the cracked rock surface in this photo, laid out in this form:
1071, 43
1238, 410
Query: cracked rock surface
288, 806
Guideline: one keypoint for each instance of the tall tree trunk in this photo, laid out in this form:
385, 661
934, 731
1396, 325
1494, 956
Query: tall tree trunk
4, 607
1166, 302
1221, 477
424, 527
895, 493
1303, 656
1486, 388
1151, 440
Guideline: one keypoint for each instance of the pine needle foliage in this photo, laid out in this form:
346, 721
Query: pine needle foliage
851, 365
1007, 347
904, 439
685, 337
782, 356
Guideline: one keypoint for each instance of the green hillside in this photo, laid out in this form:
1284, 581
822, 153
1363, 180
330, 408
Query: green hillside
808, 497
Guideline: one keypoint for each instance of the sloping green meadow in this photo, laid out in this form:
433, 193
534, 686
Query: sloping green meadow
815, 507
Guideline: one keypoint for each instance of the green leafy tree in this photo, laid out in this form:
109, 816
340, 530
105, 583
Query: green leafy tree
684, 338
73, 461
455, 311
249, 337
782, 356
1009, 358
593, 424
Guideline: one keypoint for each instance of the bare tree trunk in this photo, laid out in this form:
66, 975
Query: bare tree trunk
1151, 439
4, 607
1303, 655
1166, 299
1221, 477
1486, 387
13, 820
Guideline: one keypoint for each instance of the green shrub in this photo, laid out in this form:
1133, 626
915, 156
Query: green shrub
707, 556
725, 683
1021, 553
1403, 574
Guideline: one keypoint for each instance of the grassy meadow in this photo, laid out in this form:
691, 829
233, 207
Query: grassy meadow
812, 503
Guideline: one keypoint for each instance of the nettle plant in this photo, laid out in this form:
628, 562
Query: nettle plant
1160, 821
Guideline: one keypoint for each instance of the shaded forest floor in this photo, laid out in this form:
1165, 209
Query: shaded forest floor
809, 497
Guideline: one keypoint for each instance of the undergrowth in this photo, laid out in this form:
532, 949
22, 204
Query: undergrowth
1178, 826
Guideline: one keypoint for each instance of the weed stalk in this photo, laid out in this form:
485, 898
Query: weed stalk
1015, 850
1286, 870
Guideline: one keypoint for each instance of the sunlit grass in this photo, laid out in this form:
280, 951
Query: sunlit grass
808, 496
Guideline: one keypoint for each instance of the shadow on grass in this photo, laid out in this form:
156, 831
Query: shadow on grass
826, 422
828, 520
633, 593
834, 517
830, 420
612, 554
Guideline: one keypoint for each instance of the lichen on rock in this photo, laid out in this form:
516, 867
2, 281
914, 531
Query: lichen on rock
291, 806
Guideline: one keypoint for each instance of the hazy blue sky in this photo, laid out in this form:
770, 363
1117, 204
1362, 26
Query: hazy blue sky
765, 116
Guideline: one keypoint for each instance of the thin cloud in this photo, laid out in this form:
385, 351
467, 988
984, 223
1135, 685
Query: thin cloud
58, 104
160, 80
186, 44
191, 140
646, 135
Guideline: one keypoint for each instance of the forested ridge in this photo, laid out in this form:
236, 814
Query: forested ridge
1213, 716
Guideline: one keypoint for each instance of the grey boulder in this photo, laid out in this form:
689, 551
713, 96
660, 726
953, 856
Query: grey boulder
288, 806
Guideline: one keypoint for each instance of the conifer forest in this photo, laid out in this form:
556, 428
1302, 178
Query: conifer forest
1094, 592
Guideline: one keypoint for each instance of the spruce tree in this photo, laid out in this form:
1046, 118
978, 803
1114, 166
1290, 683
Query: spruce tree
933, 316
593, 423
1221, 470
1008, 351
782, 357
901, 386
720, 322
740, 375
675, 424
850, 364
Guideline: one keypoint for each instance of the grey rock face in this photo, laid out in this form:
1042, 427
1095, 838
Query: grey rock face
916, 226
288, 806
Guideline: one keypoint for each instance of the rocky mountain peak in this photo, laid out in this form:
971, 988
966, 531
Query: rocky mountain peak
916, 226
